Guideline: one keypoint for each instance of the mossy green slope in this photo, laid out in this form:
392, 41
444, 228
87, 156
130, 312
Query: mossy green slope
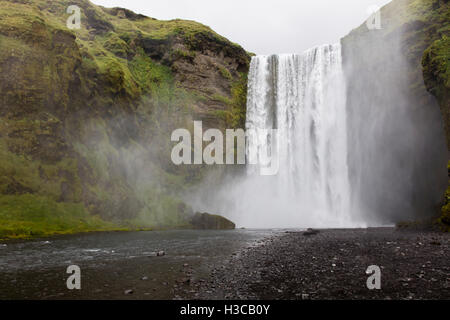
86, 115
436, 74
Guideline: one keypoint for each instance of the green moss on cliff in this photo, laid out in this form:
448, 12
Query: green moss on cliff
444, 220
239, 105
116, 45
234, 114
436, 71
436, 75
152, 78
86, 116
24, 216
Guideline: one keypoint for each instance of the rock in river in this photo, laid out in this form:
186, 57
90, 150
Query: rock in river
206, 221
310, 232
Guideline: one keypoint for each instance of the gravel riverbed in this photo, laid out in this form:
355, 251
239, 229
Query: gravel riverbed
332, 264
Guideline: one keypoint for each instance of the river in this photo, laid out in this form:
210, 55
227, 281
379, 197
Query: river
112, 263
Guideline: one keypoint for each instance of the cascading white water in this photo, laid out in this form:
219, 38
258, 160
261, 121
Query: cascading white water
390, 137
303, 97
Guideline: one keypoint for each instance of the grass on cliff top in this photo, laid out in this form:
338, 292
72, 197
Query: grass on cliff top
55, 11
105, 50
398, 12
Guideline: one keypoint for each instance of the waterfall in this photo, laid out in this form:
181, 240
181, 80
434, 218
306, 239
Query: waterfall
369, 156
303, 97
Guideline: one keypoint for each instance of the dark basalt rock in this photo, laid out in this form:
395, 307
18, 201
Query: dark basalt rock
206, 221
310, 232
96, 24
125, 13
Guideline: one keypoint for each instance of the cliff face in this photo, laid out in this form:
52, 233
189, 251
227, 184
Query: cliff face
436, 73
436, 62
86, 115
396, 129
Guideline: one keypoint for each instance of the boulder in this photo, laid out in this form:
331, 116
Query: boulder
310, 232
206, 221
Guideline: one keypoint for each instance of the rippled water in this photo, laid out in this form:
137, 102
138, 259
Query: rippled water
109, 247
113, 263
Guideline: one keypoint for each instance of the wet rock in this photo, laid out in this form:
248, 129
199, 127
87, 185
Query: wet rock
160, 253
206, 221
310, 232
271, 271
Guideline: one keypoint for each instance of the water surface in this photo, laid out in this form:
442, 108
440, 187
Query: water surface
114, 262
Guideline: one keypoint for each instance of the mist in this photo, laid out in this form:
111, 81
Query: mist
398, 153
395, 152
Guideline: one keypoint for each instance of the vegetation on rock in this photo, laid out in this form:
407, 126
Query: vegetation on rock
86, 115
436, 74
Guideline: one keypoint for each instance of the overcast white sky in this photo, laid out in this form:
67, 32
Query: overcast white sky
262, 26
